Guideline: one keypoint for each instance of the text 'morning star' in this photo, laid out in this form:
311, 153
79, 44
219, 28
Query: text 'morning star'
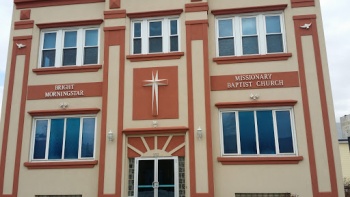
155, 83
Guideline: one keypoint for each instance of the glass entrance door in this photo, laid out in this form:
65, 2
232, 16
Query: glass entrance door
156, 177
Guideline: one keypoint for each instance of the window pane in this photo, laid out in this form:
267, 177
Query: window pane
155, 45
70, 39
137, 29
226, 46
249, 26
173, 27
88, 138
40, 139
174, 45
274, 43
155, 28
273, 24
284, 128
166, 191
166, 174
229, 132
71, 147
49, 41
90, 55
247, 132
250, 45
137, 46
146, 174
266, 132
48, 58
69, 56
91, 37
56, 139
145, 191
225, 28
166, 178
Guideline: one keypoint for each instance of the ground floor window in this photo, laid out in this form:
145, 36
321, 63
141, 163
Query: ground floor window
182, 183
131, 177
257, 131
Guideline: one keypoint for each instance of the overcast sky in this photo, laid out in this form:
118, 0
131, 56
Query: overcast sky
336, 21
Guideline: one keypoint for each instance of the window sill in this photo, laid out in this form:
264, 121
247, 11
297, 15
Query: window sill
252, 58
155, 56
60, 165
260, 160
67, 69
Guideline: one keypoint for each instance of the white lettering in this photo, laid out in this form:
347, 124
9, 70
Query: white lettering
64, 87
269, 83
47, 94
239, 85
253, 77
64, 93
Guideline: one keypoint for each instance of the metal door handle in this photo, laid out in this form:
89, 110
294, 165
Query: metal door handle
155, 184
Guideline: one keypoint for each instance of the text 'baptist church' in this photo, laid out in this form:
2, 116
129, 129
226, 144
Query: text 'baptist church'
251, 80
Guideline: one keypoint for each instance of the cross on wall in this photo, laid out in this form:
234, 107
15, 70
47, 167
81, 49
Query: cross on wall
155, 83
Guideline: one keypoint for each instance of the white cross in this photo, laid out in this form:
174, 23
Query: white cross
155, 82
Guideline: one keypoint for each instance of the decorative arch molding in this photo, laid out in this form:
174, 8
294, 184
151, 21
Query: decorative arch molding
160, 145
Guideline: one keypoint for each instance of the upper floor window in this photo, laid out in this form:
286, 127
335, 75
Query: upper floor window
155, 35
257, 132
250, 34
62, 138
67, 47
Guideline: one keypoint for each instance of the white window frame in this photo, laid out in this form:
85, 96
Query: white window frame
166, 34
293, 130
261, 32
64, 137
60, 45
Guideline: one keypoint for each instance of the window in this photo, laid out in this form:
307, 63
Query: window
249, 35
63, 138
155, 36
257, 132
67, 47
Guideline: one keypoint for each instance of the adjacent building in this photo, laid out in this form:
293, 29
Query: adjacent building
168, 98
345, 125
344, 149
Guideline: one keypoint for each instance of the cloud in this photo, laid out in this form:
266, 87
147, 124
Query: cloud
337, 30
5, 23
1, 96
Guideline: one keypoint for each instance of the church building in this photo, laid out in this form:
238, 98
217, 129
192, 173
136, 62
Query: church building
168, 98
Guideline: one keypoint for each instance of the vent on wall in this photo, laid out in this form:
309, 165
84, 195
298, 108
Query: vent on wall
263, 195
58, 195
